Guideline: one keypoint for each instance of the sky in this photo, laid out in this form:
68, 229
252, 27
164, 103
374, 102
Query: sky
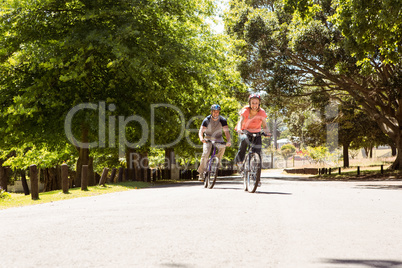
219, 26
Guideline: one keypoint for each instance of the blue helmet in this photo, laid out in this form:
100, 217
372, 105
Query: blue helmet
215, 107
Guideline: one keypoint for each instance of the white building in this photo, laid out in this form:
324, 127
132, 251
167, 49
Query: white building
282, 142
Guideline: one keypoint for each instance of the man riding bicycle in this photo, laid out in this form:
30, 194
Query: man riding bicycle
252, 118
212, 126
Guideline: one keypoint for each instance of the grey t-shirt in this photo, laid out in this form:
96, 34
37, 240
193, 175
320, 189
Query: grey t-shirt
214, 128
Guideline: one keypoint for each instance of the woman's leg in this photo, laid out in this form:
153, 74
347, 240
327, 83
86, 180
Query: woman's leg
257, 145
257, 149
243, 142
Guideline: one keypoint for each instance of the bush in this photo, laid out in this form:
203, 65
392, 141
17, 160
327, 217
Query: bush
4, 194
288, 150
322, 155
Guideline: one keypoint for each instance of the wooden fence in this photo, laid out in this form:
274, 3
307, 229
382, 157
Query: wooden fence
61, 177
323, 171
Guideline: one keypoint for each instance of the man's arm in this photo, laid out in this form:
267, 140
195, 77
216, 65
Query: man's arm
201, 133
227, 134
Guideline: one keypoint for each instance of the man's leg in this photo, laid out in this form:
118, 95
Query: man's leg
220, 152
206, 150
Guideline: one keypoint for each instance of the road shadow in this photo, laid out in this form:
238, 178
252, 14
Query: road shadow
289, 178
234, 184
380, 187
238, 185
366, 263
272, 193
175, 184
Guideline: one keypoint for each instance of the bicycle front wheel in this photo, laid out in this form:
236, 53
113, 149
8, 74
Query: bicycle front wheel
213, 174
206, 178
254, 172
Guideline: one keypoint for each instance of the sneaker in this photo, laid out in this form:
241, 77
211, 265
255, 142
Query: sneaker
201, 177
240, 167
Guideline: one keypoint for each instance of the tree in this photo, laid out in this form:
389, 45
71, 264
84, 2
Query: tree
342, 48
346, 126
288, 150
115, 59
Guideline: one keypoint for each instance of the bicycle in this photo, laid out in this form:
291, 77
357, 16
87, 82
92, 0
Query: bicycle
252, 164
211, 173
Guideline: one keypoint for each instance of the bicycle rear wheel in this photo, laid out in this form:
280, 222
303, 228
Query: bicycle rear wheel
213, 174
246, 169
254, 171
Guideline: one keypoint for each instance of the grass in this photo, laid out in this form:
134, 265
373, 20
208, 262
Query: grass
20, 199
366, 174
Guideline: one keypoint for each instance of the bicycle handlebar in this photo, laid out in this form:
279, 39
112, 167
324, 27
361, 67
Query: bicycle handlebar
219, 142
261, 133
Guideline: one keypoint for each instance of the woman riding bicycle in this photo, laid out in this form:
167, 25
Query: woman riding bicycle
212, 126
252, 118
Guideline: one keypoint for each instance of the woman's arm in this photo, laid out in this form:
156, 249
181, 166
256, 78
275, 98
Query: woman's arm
239, 124
265, 127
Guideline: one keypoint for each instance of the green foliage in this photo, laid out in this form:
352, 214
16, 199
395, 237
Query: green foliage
318, 154
322, 155
371, 28
285, 134
4, 194
325, 51
57, 54
156, 158
23, 157
288, 150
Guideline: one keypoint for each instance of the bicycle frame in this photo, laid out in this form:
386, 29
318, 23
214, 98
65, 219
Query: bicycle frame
251, 173
212, 166
252, 141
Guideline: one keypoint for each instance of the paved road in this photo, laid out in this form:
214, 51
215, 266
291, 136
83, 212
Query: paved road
287, 223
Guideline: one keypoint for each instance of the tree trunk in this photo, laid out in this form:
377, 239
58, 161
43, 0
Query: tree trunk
137, 164
144, 166
24, 182
170, 161
366, 152
3, 178
91, 173
169, 158
132, 162
83, 158
393, 150
52, 179
397, 165
275, 135
346, 155
46, 181
5, 172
